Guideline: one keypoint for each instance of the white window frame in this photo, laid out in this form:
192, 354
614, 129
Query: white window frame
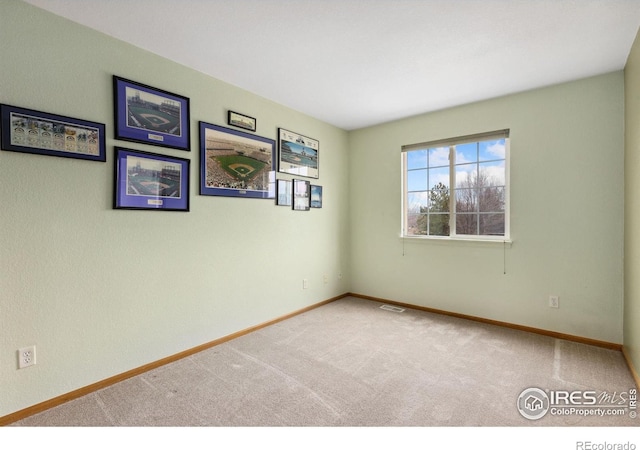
452, 142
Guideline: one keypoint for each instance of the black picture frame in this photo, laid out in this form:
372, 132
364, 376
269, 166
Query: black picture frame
301, 200
283, 192
241, 121
30, 131
150, 115
297, 154
150, 181
234, 163
316, 196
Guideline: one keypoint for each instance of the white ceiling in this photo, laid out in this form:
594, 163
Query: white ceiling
355, 63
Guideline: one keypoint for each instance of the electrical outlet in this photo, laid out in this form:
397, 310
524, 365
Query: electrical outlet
26, 357
339, 275
305, 284
325, 279
554, 301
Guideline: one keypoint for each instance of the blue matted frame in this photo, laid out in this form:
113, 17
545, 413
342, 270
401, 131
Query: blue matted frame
150, 181
228, 160
30, 131
150, 115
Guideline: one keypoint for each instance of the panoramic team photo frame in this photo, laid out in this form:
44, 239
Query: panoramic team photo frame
150, 115
30, 131
241, 120
151, 181
234, 163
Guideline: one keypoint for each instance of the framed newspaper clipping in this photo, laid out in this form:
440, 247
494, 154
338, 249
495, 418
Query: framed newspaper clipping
298, 154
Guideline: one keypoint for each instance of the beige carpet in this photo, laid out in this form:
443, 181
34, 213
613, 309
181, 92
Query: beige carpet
351, 363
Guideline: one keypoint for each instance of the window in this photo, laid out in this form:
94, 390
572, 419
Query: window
478, 205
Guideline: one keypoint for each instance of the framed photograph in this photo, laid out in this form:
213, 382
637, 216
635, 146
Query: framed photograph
236, 164
298, 154
241, 121
149, 115
283, 192
28, 131
316, 196
301, 195
150, 181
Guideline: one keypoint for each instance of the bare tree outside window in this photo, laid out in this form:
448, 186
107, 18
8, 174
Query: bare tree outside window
480, 204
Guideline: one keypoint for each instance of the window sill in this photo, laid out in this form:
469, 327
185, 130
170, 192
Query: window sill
458, 239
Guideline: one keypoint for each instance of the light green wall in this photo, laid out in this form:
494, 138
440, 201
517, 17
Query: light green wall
102, 291
566, 214
632, 207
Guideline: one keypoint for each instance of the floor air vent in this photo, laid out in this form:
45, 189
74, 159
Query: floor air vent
392, 308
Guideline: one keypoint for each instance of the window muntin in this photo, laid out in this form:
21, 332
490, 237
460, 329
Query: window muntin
477, 206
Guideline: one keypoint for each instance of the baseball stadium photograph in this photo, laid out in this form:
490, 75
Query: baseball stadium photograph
152, 112
235, 162
152, 177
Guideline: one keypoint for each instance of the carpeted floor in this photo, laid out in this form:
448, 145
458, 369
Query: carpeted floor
351, 363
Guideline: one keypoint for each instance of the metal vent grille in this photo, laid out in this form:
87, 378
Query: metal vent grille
392, 308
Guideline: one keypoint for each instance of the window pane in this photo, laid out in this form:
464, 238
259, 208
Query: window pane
466, 175
417, 159
492, 150
439, 224
466, 153
466, 224
416, 224
417, 180
439, 200
492, 174
466, 200
491, 199
439, 178
492, 224
417, 202
439, 157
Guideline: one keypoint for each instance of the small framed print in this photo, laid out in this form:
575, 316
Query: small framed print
283, 192
241, 121
316, 196
29, 131
150, 181
298, 154
301, 195
149, 115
